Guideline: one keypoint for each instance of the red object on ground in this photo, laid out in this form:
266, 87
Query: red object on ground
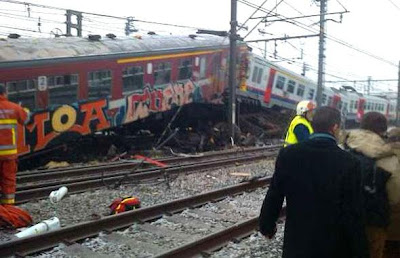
124, 204
151, 161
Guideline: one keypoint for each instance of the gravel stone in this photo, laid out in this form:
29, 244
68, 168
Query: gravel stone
93, 204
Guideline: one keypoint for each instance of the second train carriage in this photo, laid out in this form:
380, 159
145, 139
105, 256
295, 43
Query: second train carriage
271, 85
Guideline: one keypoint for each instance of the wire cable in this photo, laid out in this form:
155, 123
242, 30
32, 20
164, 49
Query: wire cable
334, 39
395, 5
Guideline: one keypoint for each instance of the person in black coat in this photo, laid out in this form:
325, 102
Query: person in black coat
322, 187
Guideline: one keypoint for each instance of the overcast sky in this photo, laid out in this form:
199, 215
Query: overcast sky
369, 26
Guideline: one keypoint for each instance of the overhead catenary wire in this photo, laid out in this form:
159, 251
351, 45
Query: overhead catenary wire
328, 36
395, 5
104, 15
276, 6
341, 5
241, 26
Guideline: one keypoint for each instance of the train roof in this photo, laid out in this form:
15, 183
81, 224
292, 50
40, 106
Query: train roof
24, 49
376, 98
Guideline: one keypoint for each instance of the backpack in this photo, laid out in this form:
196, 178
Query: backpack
375, 198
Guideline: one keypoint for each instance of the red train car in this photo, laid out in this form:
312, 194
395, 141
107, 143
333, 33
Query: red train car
84, 85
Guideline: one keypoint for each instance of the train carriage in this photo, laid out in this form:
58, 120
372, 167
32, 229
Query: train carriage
86, 85
271, 85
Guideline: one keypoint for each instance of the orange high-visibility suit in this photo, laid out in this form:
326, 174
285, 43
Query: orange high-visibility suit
10, 115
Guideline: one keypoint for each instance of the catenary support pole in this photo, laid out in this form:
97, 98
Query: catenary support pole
321, 55
232, 72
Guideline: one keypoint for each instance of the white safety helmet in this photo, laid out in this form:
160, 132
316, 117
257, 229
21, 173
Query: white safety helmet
304, 106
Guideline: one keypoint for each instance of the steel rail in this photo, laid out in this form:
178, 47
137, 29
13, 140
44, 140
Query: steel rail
101, 173
71, 234
216, 240
75, 186
40, 175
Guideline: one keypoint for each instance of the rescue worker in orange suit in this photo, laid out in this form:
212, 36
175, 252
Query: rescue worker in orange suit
300, 128
11, 115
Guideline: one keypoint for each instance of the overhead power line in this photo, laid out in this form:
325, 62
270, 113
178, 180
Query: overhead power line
282, 38
102, 15
395, 5
377, 80
334, 39
276, 6
298, 17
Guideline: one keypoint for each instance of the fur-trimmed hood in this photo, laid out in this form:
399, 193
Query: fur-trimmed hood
368, 143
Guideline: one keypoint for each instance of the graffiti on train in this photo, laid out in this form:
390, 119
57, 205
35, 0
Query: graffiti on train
88, 117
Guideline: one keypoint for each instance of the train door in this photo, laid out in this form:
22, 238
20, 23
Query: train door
270, 84
336, 101
216, 73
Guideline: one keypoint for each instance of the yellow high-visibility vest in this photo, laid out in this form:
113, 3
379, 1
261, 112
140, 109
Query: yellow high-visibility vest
290, 136
8, 146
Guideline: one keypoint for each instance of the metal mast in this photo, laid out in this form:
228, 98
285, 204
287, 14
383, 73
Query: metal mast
232, 72
321, 55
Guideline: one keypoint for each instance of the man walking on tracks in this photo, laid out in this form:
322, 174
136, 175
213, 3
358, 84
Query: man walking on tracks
322, 186
10, 115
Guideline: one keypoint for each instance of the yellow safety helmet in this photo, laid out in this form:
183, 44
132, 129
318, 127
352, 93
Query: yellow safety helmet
304, 106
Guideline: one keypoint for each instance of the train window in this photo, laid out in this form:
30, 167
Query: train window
254, 76
376, 106
345, 107
185, 69
162, 74
280, 83
63, 89
132, 79
290, 86
203, 68
99, 84
300, 90
311, 94
330, 102
351, 104
149, 68
259, 76
323, 99
22, 92
356, 105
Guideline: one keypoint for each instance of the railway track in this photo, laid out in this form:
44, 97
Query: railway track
35, 185
130, 229
53, 174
